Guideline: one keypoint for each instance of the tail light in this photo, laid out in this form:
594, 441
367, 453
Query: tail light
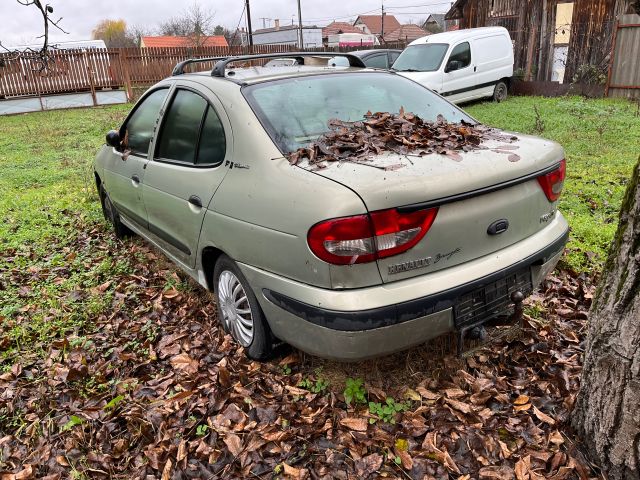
365, 238
553, 182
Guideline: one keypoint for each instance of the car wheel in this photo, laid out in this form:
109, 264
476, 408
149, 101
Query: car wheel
111, 215
501, 92
239, 312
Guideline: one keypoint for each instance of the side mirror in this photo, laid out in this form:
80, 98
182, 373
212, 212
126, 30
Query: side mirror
452, 65
113, 138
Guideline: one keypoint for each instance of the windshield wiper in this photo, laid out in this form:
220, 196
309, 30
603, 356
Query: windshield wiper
407, 70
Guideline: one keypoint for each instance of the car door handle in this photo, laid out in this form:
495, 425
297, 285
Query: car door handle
135, 179
195, 201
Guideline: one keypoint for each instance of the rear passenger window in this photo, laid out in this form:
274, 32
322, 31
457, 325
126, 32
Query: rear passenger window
377, 61
181, 127
213, 143
462, 54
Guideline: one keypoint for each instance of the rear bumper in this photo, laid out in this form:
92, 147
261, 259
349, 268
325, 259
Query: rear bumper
363, 323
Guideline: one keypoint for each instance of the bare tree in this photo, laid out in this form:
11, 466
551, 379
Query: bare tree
136, 32
45, 63
45, 10
196, 22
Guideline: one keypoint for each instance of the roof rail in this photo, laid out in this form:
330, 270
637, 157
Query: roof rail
220, 66
179, 68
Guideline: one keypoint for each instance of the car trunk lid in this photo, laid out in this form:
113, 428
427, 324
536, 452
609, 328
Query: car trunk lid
473, 191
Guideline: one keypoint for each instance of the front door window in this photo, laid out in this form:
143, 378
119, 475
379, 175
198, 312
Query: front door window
138, 131
462, 55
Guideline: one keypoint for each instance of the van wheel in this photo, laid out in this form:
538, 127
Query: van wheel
239, 312
501, 92
112, 216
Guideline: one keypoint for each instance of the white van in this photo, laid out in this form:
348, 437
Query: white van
462, 65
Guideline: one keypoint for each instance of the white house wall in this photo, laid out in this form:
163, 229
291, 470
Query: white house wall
312, 37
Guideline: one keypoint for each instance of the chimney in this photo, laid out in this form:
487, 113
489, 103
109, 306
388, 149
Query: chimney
277, 22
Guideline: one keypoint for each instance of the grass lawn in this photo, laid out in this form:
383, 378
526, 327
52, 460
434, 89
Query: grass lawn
91, 328
601, 139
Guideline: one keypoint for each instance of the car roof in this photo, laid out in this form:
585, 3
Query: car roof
250, 75
459, 35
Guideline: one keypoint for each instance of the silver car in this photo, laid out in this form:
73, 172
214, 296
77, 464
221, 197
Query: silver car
343, 262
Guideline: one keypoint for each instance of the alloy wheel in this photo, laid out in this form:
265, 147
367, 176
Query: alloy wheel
235, 308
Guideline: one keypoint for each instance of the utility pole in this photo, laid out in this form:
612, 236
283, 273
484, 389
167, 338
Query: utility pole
249, 23
301, 41
382, 32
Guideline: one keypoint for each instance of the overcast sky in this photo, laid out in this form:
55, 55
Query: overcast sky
21, 25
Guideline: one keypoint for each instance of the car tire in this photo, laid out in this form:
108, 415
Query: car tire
239, 312
112, 216
500, 92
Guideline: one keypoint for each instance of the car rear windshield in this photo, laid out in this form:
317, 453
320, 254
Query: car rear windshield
421, 58
296, 111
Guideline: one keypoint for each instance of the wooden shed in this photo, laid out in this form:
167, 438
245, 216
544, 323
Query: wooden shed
553, 39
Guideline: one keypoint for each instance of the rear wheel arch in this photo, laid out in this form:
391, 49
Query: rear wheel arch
260, 345
210, 256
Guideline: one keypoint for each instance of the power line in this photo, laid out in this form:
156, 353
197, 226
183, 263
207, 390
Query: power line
342, 16
233, 39
387, 8
421, 5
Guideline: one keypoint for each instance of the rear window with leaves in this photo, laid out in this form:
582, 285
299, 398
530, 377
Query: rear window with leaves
296, 111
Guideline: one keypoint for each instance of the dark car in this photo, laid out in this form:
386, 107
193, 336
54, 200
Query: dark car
377, 58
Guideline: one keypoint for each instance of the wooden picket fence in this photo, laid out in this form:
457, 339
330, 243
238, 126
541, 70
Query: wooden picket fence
72, 71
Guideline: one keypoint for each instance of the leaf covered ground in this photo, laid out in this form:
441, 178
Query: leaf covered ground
153, 388
112, 364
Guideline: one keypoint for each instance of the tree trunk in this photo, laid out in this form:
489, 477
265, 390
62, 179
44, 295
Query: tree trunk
607, 412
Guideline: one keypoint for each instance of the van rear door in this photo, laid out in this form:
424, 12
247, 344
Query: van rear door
493, 59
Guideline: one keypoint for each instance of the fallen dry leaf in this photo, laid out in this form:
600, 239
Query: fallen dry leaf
233, 443
166, 471
185, 363
357, 424
522, 468
461, 406
368, 465
543, 416
522, 408
294, 473
502, 473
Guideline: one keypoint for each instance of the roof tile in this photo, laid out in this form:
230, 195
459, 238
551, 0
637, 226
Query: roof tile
407, 32
339, 27
168, 41
374, 23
